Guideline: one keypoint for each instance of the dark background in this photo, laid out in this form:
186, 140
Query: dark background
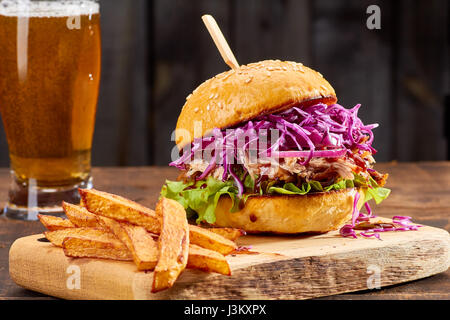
156, 52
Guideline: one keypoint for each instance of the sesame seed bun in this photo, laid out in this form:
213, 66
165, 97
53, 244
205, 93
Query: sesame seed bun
290, 214
251, 90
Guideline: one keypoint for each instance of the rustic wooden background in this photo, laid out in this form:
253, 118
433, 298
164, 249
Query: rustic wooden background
156, 52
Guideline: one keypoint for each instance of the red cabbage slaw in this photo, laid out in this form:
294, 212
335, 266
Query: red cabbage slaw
348, 230
313, 131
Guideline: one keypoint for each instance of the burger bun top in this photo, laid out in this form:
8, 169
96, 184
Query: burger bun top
252, 90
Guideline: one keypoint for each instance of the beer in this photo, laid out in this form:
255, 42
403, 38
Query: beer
50, 60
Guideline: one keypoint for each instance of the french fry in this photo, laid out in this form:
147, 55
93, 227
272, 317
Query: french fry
57, 237
124, 210
210, 240
207, 260
52, 223
120, 209
143, 248
79, 216
107, 226
139, 242
173, 244
112, 249
229, 233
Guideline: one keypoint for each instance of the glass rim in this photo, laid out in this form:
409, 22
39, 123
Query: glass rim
49, 8
29, 1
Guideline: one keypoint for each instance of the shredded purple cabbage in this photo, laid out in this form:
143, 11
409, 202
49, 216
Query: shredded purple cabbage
356, 212
358, 217
314, 131
348, 231
309, 130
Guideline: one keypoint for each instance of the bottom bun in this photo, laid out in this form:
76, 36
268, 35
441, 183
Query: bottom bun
289, 214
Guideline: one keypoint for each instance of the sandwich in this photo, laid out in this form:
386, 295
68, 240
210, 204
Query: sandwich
267, 149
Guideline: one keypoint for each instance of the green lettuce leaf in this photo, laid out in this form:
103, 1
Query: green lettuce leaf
249, 183
290, 188
200, 198
376, 193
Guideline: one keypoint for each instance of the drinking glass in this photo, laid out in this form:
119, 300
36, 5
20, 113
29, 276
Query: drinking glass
50, 60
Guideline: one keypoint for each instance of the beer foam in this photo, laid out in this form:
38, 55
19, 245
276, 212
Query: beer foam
48, 9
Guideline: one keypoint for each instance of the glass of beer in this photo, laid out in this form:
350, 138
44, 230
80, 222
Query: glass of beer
50, 60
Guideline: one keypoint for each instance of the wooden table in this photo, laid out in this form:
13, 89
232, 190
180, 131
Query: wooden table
420, 190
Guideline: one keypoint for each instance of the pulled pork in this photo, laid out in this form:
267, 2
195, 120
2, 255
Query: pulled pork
324, 170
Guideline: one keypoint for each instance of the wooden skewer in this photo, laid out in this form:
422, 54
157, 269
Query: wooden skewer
220, 41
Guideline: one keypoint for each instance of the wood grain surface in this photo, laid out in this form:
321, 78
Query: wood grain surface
294, 267
421, 190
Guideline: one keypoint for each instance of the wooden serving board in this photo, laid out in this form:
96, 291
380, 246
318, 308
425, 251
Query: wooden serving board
291, 267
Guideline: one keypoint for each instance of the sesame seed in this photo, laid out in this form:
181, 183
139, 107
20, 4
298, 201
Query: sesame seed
320, 75
270, 68
196, 110
285, 68
216, 96
248, 80
208, 107
323, 87
211, 96
301, 70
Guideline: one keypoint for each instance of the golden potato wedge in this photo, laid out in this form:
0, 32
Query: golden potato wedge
57, 237
79, 216
96, 248
120, 209
138, 241
229, 233
52, 223
207, 260
210, 240
173, 244
143, 248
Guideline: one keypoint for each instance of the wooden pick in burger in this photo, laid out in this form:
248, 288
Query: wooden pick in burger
220, 41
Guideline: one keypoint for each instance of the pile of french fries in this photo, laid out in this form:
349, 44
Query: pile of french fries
107, 226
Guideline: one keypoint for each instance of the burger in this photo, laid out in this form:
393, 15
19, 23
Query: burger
267, 149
